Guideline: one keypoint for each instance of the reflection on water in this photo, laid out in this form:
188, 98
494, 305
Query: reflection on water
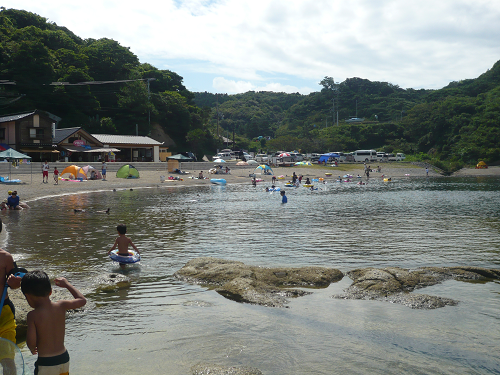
159, 324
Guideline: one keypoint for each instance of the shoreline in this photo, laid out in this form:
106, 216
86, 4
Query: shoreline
32, 191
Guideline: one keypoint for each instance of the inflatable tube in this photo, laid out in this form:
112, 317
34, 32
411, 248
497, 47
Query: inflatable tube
328, 174
308, 185
134, 258
289, 185
218, 181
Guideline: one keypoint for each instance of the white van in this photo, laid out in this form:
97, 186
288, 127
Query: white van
364, 155
223, 155
400, 156
381, 156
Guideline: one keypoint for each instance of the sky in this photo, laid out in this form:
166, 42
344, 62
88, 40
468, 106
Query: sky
234, 46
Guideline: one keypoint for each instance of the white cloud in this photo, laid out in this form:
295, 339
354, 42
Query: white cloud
221, 84
412, 43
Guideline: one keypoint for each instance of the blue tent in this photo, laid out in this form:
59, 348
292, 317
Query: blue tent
326, 157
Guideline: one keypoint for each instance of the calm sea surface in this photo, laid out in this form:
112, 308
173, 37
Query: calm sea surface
161, 325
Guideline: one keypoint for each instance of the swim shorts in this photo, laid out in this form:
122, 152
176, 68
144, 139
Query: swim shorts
57, 365
45, 173
8, 321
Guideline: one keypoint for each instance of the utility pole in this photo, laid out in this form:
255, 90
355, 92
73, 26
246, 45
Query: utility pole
149, 104
217, 98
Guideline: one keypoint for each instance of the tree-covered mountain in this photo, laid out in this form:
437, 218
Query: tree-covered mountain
48, 63
457, 124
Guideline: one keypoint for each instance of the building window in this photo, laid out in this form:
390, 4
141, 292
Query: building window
2, 133
36, 133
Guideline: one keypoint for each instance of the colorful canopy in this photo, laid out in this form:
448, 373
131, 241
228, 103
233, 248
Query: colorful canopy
266, 169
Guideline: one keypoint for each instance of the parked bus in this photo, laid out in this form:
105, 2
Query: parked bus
364, 155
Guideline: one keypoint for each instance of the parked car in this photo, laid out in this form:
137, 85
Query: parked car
400, 156
223, 155
262, 158
246, 157
342, 156
381, 156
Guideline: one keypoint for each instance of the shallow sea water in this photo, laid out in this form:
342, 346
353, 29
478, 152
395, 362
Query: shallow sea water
162, 325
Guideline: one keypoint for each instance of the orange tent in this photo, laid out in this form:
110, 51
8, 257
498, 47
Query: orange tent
481, 165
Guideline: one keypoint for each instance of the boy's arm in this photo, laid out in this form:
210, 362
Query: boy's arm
79, 300
114, 246
31, 333
135, 247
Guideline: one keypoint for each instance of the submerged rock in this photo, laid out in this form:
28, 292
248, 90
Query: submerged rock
394, 284
202, 369
258, 285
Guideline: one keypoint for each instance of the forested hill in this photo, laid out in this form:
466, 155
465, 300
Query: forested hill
457, 124
42, 64
35, 53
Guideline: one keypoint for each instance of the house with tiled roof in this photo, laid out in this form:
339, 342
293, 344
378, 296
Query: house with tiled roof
29, 132
76, 144
35, 133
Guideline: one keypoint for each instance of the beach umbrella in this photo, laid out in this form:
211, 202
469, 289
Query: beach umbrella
179, 157
284, 154
242, 163
219, 161
12, 154
252, 162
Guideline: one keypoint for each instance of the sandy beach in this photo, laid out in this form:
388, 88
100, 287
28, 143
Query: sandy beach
31, 191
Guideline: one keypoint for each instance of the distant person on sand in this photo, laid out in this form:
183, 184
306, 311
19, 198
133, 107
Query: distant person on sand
45, 172
427, 171
122, 242
56, 175
103, 170
46, 323
200, 176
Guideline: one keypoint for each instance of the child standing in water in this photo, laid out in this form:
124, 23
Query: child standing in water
284, 199
46, 323
122, 242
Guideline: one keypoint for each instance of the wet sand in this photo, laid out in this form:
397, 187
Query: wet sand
31, 191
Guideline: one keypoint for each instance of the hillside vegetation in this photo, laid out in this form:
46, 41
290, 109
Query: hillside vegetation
453, 126
37, 55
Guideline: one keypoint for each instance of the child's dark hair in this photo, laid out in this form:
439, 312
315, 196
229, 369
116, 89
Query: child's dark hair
121, 228
36, 283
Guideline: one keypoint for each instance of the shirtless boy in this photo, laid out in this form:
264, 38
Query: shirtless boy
122, 243
47, 322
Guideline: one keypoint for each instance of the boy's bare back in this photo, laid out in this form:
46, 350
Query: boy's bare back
47, 322
122, 242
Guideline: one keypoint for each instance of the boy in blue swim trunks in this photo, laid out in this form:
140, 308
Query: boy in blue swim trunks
46, 323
